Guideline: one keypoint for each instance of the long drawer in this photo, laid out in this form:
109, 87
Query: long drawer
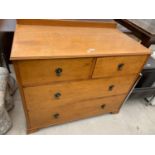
77, 110
118, 66
34, 72
63, 93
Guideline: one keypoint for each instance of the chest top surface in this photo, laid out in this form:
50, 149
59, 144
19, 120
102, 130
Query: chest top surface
45, 42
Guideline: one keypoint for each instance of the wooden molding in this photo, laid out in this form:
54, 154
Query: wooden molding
72, 23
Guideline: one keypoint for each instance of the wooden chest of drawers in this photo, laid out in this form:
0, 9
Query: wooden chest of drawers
68, 73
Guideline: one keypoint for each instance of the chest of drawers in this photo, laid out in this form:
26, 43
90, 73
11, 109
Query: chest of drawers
68, 73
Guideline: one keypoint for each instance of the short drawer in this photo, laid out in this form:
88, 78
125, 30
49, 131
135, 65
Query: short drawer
48, 71
54, 95
117, 66
74, 111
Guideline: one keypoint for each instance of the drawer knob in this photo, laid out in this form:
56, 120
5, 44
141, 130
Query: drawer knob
111, 87
103, 106
58, 71
120, 66
57, 95
56, 115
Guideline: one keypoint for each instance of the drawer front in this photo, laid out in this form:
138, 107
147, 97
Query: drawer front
74, 111
117, 66
46, 71
64, 93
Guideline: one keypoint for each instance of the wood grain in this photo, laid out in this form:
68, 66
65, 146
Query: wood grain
44, 71
109, 66
74, 111
45, 42
71, 92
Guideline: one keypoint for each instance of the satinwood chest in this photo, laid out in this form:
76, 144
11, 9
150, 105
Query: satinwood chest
69, 72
